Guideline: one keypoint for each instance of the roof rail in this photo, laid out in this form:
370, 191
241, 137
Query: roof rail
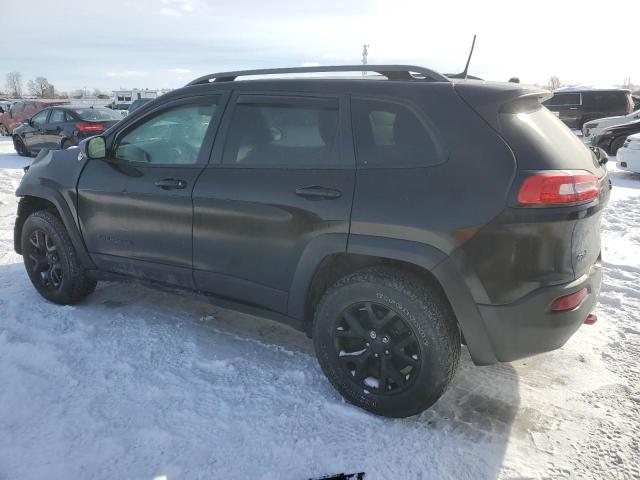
392, 72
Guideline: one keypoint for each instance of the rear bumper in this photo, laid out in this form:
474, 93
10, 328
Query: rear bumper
629, 159
528, 326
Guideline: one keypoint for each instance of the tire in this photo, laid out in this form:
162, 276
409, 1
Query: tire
21, 149
3, 131
422, 341
51, 261
66, 144
616, 145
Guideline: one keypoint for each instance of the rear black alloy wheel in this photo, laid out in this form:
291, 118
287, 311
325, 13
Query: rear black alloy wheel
387, 340
377, 347
45, 260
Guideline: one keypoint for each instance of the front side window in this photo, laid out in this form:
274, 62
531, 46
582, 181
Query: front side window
390, 134
173, 136
57, 116
284, 131
40, 118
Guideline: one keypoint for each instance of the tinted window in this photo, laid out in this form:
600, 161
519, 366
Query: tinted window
57, 116
390, 134
561, 99
604, 99
40, 118
97, 114
173, 136
283, 131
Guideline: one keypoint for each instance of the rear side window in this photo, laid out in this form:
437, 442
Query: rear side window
562, 99
292, 131
57, 116
390, 134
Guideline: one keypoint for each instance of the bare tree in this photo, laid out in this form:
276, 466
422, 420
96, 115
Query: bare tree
41, 88
554, 83
78, 93
14, 84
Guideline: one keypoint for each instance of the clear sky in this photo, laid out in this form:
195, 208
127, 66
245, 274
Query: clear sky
166, 43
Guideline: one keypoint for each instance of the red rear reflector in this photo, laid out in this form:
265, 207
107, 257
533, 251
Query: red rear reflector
89, 127
569, 302
591, 319
558, 187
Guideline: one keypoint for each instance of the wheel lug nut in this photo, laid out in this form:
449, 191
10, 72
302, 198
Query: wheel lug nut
373, 334
366, 344
386, 352
376, 355
385, 339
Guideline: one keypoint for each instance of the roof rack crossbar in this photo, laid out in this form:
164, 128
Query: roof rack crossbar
392, 72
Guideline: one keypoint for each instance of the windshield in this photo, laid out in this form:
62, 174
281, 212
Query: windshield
97, 114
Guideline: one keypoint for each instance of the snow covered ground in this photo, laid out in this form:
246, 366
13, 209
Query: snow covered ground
138, 384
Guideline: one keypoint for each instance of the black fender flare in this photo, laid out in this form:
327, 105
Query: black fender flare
418, 254
68, 219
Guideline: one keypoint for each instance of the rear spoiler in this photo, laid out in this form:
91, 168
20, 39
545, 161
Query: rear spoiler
489, 99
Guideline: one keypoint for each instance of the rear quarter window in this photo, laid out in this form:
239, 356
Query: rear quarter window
390, 134
563, 99
604, 99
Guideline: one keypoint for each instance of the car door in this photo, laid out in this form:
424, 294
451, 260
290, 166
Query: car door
53, 129
134, 206
279, 188
34, 136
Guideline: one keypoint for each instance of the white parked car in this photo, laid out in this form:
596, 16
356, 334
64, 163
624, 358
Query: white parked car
628, 155
593, 128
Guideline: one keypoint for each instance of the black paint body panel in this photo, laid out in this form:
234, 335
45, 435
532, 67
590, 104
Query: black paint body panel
243, 236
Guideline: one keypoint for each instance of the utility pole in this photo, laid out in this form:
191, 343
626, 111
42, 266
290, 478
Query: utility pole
365, 54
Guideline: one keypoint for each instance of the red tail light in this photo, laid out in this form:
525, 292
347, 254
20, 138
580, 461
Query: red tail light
630, 104
559, 187
569, 302
89, 127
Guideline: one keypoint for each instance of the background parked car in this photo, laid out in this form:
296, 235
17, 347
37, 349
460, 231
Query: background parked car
5, 105
592, 129
61, 128
612, 138
628, 155
22, 110
575, 107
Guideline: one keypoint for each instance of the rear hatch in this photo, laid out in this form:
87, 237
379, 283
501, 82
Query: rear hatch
95, 120
557, 242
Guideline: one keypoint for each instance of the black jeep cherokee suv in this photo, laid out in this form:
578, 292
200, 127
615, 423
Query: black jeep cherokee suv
391, 220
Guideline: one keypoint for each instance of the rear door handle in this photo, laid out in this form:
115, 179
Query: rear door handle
170, 184
315, 192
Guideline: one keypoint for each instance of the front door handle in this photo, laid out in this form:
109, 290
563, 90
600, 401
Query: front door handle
316, 192
170, 184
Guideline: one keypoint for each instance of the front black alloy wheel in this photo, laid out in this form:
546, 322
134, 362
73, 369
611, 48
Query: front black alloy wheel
45, 260
19, 146
377, 347
51, 260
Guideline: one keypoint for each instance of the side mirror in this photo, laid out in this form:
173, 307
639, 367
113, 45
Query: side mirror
93, 148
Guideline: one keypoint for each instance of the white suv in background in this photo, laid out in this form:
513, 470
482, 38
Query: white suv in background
593, 128
628, 155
